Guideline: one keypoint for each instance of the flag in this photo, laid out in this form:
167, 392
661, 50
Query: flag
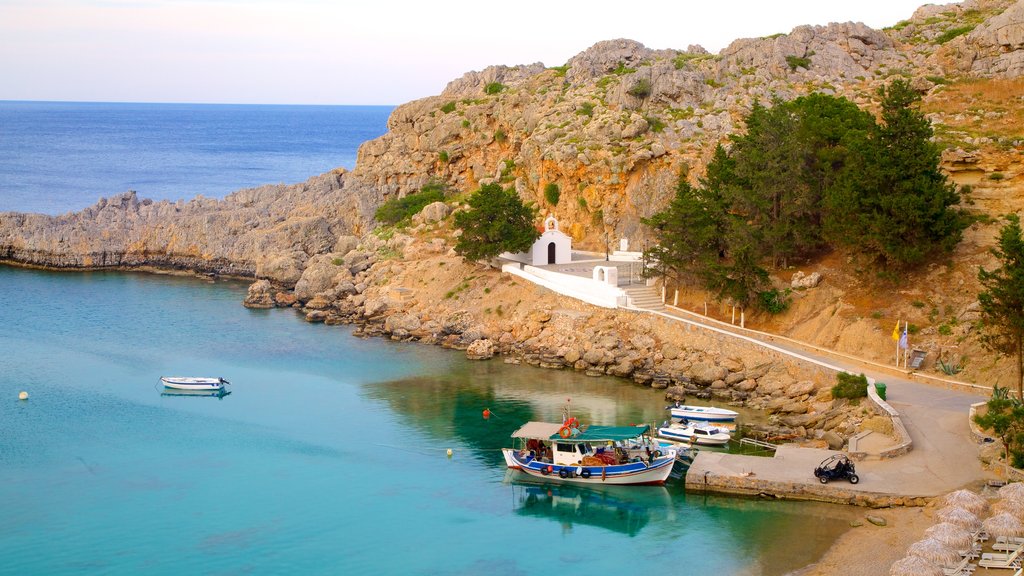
896, 331
903, 339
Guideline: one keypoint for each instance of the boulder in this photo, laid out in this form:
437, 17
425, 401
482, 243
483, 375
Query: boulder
481, 349
434, 212
704, 373
345, 244
670, 352
321, 274
801, 281
405, 322
258, 295
285, 299
835, 441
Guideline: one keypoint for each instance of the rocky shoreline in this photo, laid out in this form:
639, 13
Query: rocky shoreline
382, 285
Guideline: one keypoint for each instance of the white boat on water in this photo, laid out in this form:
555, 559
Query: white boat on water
193, 383
705, 413
577, 454
698, 433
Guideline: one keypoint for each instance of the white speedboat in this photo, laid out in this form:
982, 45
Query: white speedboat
577, 454
705, 413
699, 433
192, 383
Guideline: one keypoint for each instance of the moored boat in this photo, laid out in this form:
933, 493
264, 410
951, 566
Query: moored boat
193, 383
705, 413
698, 433
572, 453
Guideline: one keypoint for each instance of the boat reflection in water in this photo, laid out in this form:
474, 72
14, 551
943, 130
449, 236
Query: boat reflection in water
626, 510
219, 394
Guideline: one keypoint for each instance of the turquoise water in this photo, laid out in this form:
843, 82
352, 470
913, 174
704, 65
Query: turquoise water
327, 458
61, 156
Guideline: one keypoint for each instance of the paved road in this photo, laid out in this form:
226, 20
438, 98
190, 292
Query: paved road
944, 455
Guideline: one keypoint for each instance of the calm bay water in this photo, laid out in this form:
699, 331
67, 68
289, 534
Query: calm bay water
57, 157
327, 458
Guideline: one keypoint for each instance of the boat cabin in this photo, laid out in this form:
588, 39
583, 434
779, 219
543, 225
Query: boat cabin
548, 442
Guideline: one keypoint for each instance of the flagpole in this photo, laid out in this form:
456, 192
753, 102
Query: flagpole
906, 349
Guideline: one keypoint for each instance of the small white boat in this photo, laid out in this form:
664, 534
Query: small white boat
577, 454
192, 383
699, 433
705, 413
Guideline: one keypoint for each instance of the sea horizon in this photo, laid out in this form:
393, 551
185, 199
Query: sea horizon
61, 156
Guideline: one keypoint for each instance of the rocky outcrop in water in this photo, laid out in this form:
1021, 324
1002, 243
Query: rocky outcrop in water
270, 232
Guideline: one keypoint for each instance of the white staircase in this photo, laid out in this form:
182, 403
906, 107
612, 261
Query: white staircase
645, 297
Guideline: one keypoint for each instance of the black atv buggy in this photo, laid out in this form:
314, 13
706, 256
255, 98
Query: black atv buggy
836, 467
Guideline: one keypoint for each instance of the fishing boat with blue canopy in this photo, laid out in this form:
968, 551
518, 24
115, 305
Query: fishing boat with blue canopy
588, 454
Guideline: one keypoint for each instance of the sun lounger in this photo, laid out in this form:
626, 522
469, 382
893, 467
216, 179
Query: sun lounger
996, 560
1005, 544
964, 568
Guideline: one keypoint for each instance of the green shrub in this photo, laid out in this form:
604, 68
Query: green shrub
500, 136
641, 88
798, 62
398, 209
945, 330
560, 70
713, 83
655, 123
850, 386
937, 80
466, 124
443, 156
996, 176
621, 69
774, 301
953, 33
494, 88
448, 107
586, 109
552, 193
582, 202
597, 218
917, 304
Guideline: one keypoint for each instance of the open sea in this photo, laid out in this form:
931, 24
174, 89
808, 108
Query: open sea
329, 455
57, 157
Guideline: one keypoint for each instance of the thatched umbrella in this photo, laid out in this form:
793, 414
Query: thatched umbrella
951, 535
1009, 506
967, 500
935, 552
1003, 524
960, 517
914, 566
1013, 491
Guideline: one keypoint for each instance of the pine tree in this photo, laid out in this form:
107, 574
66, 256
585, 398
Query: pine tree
896, 204
497, 221
1002, 300
688, 233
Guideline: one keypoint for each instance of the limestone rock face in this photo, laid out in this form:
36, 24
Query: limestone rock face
996, 47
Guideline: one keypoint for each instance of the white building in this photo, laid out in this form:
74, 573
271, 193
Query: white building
553, 247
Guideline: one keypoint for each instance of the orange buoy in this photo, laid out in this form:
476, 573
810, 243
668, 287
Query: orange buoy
487, 413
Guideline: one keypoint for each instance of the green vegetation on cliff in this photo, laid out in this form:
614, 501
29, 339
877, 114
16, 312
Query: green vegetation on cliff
1005, 417
398, 209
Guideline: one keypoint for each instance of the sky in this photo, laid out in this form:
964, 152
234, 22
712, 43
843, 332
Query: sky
344, 52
